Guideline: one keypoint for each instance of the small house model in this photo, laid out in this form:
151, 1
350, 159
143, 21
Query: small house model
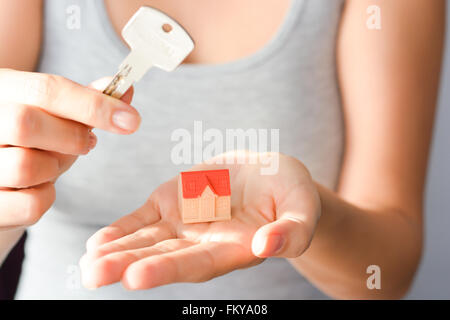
205, 195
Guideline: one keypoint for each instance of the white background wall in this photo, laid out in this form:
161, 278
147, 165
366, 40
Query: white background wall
433, 278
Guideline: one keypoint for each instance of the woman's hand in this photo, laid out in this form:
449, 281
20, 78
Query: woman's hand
272, 216
45, 123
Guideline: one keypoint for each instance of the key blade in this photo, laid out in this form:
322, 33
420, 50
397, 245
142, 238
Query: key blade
145, 32
131, 70
155, 40
120, 83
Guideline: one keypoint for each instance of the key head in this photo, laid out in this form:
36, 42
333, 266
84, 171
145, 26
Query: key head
157, 37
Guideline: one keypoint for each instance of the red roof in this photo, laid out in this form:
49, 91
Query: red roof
195, 182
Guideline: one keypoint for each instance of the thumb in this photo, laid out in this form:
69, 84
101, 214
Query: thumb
291, 234
287, 238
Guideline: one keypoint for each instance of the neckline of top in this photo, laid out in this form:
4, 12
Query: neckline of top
241, 64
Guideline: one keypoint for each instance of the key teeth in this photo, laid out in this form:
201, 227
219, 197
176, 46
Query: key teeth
118, 79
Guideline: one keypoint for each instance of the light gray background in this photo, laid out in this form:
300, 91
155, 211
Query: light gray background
433, 278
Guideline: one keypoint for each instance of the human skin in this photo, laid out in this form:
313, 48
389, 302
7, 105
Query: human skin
45, 123
388, 80
41, 136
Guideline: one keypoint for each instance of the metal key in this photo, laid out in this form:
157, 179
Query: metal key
155, 40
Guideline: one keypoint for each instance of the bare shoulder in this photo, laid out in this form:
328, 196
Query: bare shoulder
20, 33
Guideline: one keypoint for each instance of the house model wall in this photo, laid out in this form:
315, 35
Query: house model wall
205, 195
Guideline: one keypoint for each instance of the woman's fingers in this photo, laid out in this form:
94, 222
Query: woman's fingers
65, 161
22, 168
146, 215
168, 261
197, 263
286, 237
110, 268
25, 206
145, 237
31, 127
67, 99
164, 198
290, 235
128, 95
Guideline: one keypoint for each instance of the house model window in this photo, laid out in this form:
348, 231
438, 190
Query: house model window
205, 196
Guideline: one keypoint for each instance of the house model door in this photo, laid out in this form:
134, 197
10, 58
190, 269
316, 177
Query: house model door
207, 204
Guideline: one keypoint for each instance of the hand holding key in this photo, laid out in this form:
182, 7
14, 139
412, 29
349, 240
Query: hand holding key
45, 123
46, 120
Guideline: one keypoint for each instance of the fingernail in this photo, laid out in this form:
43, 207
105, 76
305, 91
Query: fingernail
125, 120
277, 243
92, 141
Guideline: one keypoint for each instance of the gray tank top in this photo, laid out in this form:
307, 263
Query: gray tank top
290, 85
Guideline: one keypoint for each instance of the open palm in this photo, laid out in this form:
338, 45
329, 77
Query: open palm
272, 215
